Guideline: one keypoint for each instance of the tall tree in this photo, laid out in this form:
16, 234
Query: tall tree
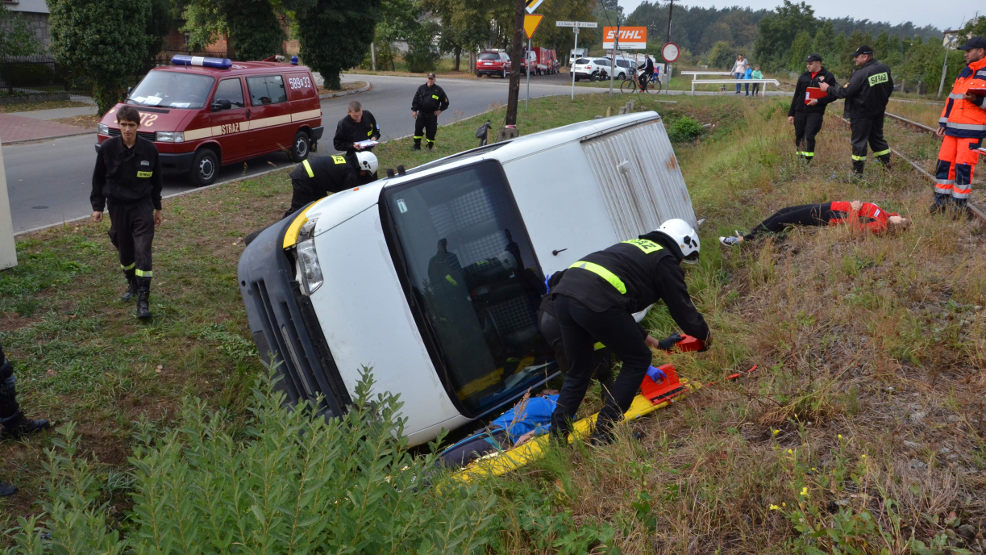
16, 38
464, 25
254, 30
336, 34
778, 31
251, 27
102, 40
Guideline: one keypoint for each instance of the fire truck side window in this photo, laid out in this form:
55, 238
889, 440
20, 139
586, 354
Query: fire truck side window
231, 90
266, 89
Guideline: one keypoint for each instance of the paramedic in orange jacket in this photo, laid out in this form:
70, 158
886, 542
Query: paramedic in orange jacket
962, 127
857, 214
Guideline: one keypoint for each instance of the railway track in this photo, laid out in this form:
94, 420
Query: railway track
978, 210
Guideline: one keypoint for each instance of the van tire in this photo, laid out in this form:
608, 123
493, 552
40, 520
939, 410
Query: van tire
205, 167
300, 147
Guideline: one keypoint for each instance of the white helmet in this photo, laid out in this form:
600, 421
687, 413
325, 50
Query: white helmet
367, 161
684, 235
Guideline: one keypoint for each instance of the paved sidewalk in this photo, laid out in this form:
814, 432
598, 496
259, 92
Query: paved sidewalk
19, 129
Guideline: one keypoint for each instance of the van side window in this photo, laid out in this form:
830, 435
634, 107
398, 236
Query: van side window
230, 90
266, 89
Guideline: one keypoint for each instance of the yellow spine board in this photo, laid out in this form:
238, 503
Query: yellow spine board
501, 462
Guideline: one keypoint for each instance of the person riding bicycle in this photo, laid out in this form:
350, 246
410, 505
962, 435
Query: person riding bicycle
646, 72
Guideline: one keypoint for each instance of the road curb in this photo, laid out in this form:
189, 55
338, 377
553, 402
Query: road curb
337, 94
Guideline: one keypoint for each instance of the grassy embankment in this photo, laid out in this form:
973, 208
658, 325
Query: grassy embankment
861, 430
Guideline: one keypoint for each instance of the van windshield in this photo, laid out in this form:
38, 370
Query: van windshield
462, 252
172, 89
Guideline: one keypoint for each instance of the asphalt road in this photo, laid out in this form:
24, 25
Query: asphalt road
49, 181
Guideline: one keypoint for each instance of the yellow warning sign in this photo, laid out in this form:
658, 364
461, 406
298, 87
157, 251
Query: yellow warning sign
531, 23
531, 5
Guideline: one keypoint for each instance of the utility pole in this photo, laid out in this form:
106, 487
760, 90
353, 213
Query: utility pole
949, 40
668, 39
516, 45
8, 248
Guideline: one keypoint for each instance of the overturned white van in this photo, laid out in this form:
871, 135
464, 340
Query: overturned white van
432, 278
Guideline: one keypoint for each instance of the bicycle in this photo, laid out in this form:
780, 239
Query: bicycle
630, 84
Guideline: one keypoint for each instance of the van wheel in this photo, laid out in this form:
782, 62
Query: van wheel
205, 167
300, 147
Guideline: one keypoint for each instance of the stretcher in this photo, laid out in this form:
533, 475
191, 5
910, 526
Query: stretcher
652, 396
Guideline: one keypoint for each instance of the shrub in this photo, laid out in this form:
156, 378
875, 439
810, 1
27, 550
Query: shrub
291, 481
684, 129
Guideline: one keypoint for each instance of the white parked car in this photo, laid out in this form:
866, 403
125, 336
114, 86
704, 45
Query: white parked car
432, 277
591, 68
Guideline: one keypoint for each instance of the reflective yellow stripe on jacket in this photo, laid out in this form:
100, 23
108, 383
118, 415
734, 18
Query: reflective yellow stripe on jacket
610, 277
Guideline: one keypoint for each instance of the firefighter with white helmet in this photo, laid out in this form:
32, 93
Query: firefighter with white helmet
316, 177
595, 300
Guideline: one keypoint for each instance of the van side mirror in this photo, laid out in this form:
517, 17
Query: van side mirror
221, 105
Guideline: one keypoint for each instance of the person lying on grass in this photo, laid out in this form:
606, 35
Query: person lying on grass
857, 214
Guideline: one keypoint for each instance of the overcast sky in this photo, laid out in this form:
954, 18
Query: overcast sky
944, 14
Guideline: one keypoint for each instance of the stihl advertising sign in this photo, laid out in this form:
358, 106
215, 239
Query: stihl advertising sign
630, 37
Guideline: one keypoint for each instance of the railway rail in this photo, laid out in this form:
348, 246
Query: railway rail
977, 210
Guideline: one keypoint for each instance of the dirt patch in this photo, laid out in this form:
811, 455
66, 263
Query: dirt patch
88, 122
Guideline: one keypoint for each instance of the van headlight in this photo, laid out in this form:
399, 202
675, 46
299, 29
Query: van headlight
309, 271
170, 137
102, 129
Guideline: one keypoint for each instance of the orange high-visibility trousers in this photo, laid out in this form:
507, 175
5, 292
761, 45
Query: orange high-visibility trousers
956, 160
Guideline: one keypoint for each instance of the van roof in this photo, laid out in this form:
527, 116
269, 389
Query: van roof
238, 68
350, 202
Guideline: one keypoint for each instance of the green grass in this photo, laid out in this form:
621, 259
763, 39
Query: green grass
860, 431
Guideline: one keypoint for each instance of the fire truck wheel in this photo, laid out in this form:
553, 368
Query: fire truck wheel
205, 167
300, 147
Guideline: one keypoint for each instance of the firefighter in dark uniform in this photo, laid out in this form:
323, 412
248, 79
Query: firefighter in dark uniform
15, 424
316, 177
429, 101
866, 94
127, 181
595, 300
358, 125
807, 114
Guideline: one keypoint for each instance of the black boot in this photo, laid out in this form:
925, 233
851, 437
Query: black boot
857, 167
431, 145
131, 293
7, 489
885, 160
941, 203
417, 145
19, 426
960, 209
143, 298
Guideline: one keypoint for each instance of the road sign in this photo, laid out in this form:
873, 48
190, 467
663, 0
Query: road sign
576, 24
630, 37
532, 5
531, 23
670, 52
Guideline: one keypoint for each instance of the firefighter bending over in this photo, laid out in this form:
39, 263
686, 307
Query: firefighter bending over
595, 300
316, 177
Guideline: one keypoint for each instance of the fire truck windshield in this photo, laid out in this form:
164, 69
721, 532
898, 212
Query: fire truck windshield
170, 89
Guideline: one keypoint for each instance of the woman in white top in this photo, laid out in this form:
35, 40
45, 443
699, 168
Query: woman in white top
739, 69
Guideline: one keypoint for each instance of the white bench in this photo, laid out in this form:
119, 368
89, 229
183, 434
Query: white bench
764, 82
